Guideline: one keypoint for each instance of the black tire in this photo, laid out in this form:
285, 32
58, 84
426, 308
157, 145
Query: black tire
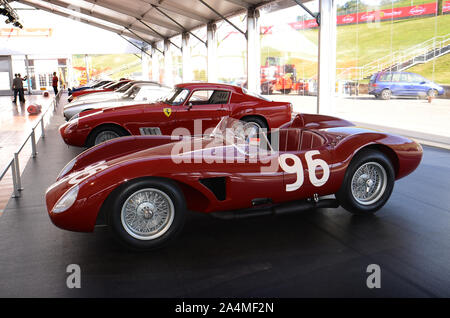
386, 94
265, 89
345, 194
122, 231
91, 140
257, 120
432, 93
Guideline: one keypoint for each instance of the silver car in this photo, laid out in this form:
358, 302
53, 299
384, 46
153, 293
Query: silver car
101, 96
136, 94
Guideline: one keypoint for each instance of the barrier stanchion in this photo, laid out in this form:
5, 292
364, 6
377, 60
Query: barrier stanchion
33, 144
17, 168
42, 127
16, 192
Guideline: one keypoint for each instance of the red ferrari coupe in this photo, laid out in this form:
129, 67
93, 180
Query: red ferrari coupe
187, 107
142, 186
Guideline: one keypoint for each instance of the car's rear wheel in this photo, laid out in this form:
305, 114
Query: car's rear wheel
368, 183
147, 213
103, 134
257, 122
432, 93
386, 94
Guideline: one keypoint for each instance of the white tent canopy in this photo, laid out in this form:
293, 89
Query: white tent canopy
147, 21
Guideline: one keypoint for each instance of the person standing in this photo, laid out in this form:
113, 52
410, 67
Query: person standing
55, 83
18, 88
21, 90
14, 88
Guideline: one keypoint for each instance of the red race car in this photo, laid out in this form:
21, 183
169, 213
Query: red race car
143, 186
106, 88
188, 106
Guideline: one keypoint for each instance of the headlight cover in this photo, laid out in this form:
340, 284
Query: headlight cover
73, 124
75, 117
67, 200
67, 168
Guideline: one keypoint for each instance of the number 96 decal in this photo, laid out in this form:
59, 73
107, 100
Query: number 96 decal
297, 168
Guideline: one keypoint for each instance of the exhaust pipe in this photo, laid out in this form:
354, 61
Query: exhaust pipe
289, 207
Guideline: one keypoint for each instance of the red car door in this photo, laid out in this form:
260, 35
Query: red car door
253, 176
156, 119
203, 110
305, 159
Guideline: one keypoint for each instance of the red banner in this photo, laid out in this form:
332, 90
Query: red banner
372, 16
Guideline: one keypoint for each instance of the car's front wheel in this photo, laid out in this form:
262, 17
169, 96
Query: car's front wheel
368, 183
432, 93
103, 134
147, 213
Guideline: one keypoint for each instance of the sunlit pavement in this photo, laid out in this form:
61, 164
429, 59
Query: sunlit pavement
411, 114
15, 125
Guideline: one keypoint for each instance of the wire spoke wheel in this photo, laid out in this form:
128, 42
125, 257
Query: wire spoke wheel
251, 128
105, 135
369, 183
147, 214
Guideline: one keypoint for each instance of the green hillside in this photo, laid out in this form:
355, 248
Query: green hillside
360, 44
442, 67
404, 3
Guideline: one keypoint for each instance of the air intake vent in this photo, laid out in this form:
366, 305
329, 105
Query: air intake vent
150, 131
217, 186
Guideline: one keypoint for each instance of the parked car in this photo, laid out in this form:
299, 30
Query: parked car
136, 94
182, 106
92, 84
386, 84
105, 88
110, 94
143, 186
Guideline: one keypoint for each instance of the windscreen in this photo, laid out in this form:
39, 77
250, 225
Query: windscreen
176, 97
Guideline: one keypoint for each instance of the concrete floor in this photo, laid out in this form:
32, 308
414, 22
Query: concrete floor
321, 253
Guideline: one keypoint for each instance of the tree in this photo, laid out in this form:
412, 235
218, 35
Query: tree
440, 6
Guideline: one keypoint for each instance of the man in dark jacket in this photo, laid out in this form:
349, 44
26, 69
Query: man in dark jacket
17, 87
15, 90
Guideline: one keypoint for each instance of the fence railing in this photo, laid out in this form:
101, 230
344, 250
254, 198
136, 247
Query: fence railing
14, 164
399, 60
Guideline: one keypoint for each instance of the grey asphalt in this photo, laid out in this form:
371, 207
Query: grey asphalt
323, 253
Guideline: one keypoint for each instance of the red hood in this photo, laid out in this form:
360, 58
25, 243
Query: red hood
173, 151
189, 147
314, 121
